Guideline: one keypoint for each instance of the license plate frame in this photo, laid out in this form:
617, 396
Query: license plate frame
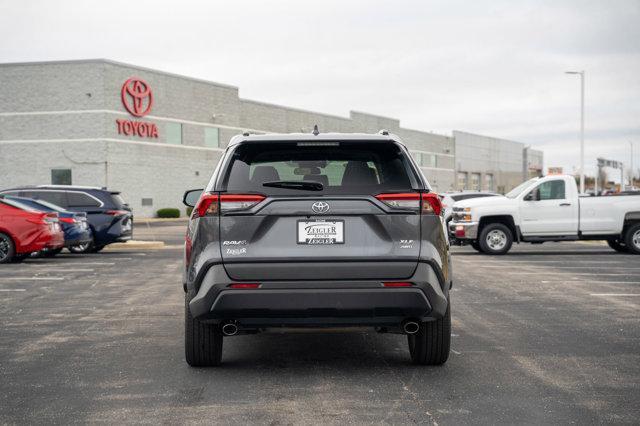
328, 238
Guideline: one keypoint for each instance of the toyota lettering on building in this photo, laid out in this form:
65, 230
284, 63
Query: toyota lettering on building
137, 99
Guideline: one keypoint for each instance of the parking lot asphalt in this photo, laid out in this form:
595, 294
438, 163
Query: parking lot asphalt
545, 335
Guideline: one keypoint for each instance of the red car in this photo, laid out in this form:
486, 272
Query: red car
24, 231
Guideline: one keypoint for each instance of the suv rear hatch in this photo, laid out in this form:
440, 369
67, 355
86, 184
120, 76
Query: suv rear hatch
319, 211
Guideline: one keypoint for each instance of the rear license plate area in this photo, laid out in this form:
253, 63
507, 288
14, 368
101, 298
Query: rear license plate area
320, 232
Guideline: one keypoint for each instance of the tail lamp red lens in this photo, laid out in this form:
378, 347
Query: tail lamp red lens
244, 285
398, 284
67, 220
212, 204
116, 212
44, 218
427, 203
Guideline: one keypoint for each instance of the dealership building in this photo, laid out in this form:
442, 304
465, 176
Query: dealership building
152, 134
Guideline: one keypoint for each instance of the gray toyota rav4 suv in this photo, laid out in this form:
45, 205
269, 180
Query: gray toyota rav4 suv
316, 230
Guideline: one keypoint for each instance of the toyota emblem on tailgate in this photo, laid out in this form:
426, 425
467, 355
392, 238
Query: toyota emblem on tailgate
320, 207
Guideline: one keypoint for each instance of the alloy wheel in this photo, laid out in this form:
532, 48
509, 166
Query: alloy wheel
496, 239
4, 247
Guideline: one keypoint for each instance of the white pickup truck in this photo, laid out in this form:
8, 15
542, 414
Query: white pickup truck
546, 209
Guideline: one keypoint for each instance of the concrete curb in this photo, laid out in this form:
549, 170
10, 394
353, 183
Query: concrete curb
157, 219
136, 245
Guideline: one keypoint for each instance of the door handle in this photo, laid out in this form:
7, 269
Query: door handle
565, 204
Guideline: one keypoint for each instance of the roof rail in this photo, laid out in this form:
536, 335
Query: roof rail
383, 132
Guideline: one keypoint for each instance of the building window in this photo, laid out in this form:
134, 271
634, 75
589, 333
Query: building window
146, 202
211, 137
462, 180
174, 133
61, 176
488, 182
475, 181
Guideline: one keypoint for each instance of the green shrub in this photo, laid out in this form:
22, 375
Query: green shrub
167, 213
189, 210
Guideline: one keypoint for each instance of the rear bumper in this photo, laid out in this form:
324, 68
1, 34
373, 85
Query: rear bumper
77, 237
319, 303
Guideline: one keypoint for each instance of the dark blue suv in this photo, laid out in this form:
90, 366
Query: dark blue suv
109, 217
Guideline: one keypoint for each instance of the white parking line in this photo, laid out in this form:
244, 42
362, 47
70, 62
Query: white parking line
615, 294
32, 278
566, 267
13, 289
42, 270
44, 265
589, 282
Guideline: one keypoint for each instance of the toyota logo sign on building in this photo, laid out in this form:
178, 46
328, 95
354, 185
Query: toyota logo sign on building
137, 97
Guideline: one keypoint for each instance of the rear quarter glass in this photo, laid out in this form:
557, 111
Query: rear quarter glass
354, 168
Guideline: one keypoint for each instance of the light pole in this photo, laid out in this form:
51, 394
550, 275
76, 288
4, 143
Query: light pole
631, 169
581, 73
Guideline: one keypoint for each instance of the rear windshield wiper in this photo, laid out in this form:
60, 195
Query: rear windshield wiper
306, 185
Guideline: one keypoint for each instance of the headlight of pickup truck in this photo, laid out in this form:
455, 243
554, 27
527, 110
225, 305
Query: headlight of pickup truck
463, 215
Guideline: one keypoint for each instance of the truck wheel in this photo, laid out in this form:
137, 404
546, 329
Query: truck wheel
202, 342
618, 246
7, 248
476, 246
496, 239
632, 239
431, 344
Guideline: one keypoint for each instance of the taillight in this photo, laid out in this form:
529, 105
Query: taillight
431, 204
212, 204
397, 284
44, 218
244, 285
427, 203
409, 200
116, 212
67, 220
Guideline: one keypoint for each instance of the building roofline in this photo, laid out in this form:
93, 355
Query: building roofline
269, 104
119, 64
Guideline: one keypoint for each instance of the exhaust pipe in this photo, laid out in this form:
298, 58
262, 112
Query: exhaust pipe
230, 329
411, 327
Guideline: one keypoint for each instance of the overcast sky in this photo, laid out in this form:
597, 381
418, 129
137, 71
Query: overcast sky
494, 67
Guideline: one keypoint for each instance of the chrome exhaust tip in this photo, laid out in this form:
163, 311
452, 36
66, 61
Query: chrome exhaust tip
229, 329
411, 327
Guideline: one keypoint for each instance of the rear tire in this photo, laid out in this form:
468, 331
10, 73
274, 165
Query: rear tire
431, 344
632, 239
82, 248
202, 342
7, 248
618, 246
496, 239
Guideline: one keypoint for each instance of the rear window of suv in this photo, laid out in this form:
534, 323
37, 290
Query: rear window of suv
341, 168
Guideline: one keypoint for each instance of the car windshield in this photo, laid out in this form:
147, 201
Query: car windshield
518, 189
335, 168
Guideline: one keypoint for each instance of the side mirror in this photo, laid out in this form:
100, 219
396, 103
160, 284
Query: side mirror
532, 196
191, 197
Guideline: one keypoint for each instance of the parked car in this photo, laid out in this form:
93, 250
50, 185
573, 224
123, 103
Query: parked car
316, 231
547, 209
450, 198
109, 217
75, 226
24, 231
